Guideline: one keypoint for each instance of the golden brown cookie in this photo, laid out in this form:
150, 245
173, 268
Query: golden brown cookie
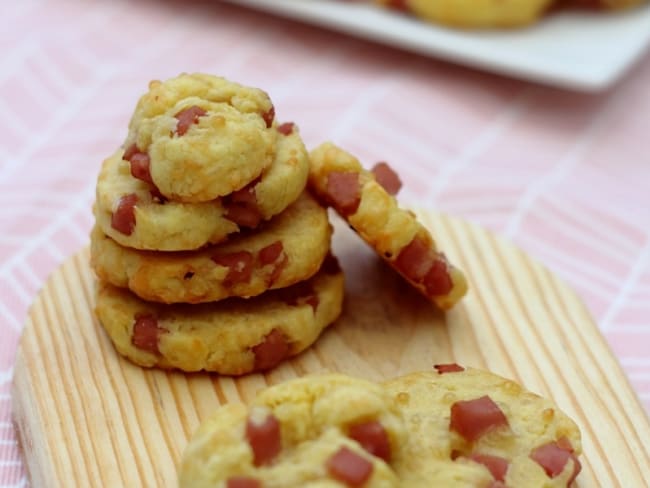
364, 199
233, 336
132, 213
453, 428
473, 14
287, 249
318, 431
468, 427
197, 137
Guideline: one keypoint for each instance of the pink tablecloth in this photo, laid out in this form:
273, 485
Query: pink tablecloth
566, 176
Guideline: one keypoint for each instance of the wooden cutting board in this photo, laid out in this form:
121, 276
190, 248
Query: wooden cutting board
87, 418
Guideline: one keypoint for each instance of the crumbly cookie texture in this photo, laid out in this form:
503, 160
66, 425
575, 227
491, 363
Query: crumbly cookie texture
474, 14
202, 136
284, 251
231, 337
421, 430
338, 179
488, 428
301, 433
134, 214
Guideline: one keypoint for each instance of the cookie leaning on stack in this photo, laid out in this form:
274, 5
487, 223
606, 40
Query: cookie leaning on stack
198, 217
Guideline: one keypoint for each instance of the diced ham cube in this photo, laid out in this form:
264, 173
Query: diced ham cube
349, 467
448, 368
437, 280
286, 128
123, 219
242, 208
264, 437
554, 456
373, 438
473, 418
187, 117
415, 259
269, 116
387, 178
344, 191
271, 351
140, 163
146, 333
239, 264
273, 254
270, 253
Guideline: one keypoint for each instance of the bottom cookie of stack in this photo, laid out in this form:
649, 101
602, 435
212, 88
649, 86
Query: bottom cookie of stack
233, 336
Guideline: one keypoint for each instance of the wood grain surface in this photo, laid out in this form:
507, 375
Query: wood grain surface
88, 418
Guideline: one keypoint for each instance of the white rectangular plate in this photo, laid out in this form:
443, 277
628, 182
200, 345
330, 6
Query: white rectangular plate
586, 51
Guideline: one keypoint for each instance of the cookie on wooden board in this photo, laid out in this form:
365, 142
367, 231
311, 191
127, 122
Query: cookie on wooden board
320, 431
365, 200
452, 428
197, 137
230, 337
470, 427
134, 214
287, 249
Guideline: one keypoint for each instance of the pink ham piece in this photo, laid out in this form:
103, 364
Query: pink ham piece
448, 368
140, 163
271, 351
241, 206
239, 264
415, 260
270, 253
273, 254
269, 116
264, 439
123, 219
497, 466
553, 457
286, 128
187, 117
243, 482
473, 418
146, 333
418, 262
373, 438
437, 280
387, 178
344, 191
348, 467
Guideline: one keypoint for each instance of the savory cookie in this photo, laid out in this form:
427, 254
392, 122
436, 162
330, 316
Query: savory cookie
197, 137
233, 336
131, 212
468, 427
287, 249
474, 13
455, 428
318, 431
364, 199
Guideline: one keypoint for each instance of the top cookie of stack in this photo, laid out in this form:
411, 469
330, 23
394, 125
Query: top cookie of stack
210, 253
162, 190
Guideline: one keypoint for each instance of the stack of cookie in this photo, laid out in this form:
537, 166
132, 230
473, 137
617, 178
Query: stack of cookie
210, 253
